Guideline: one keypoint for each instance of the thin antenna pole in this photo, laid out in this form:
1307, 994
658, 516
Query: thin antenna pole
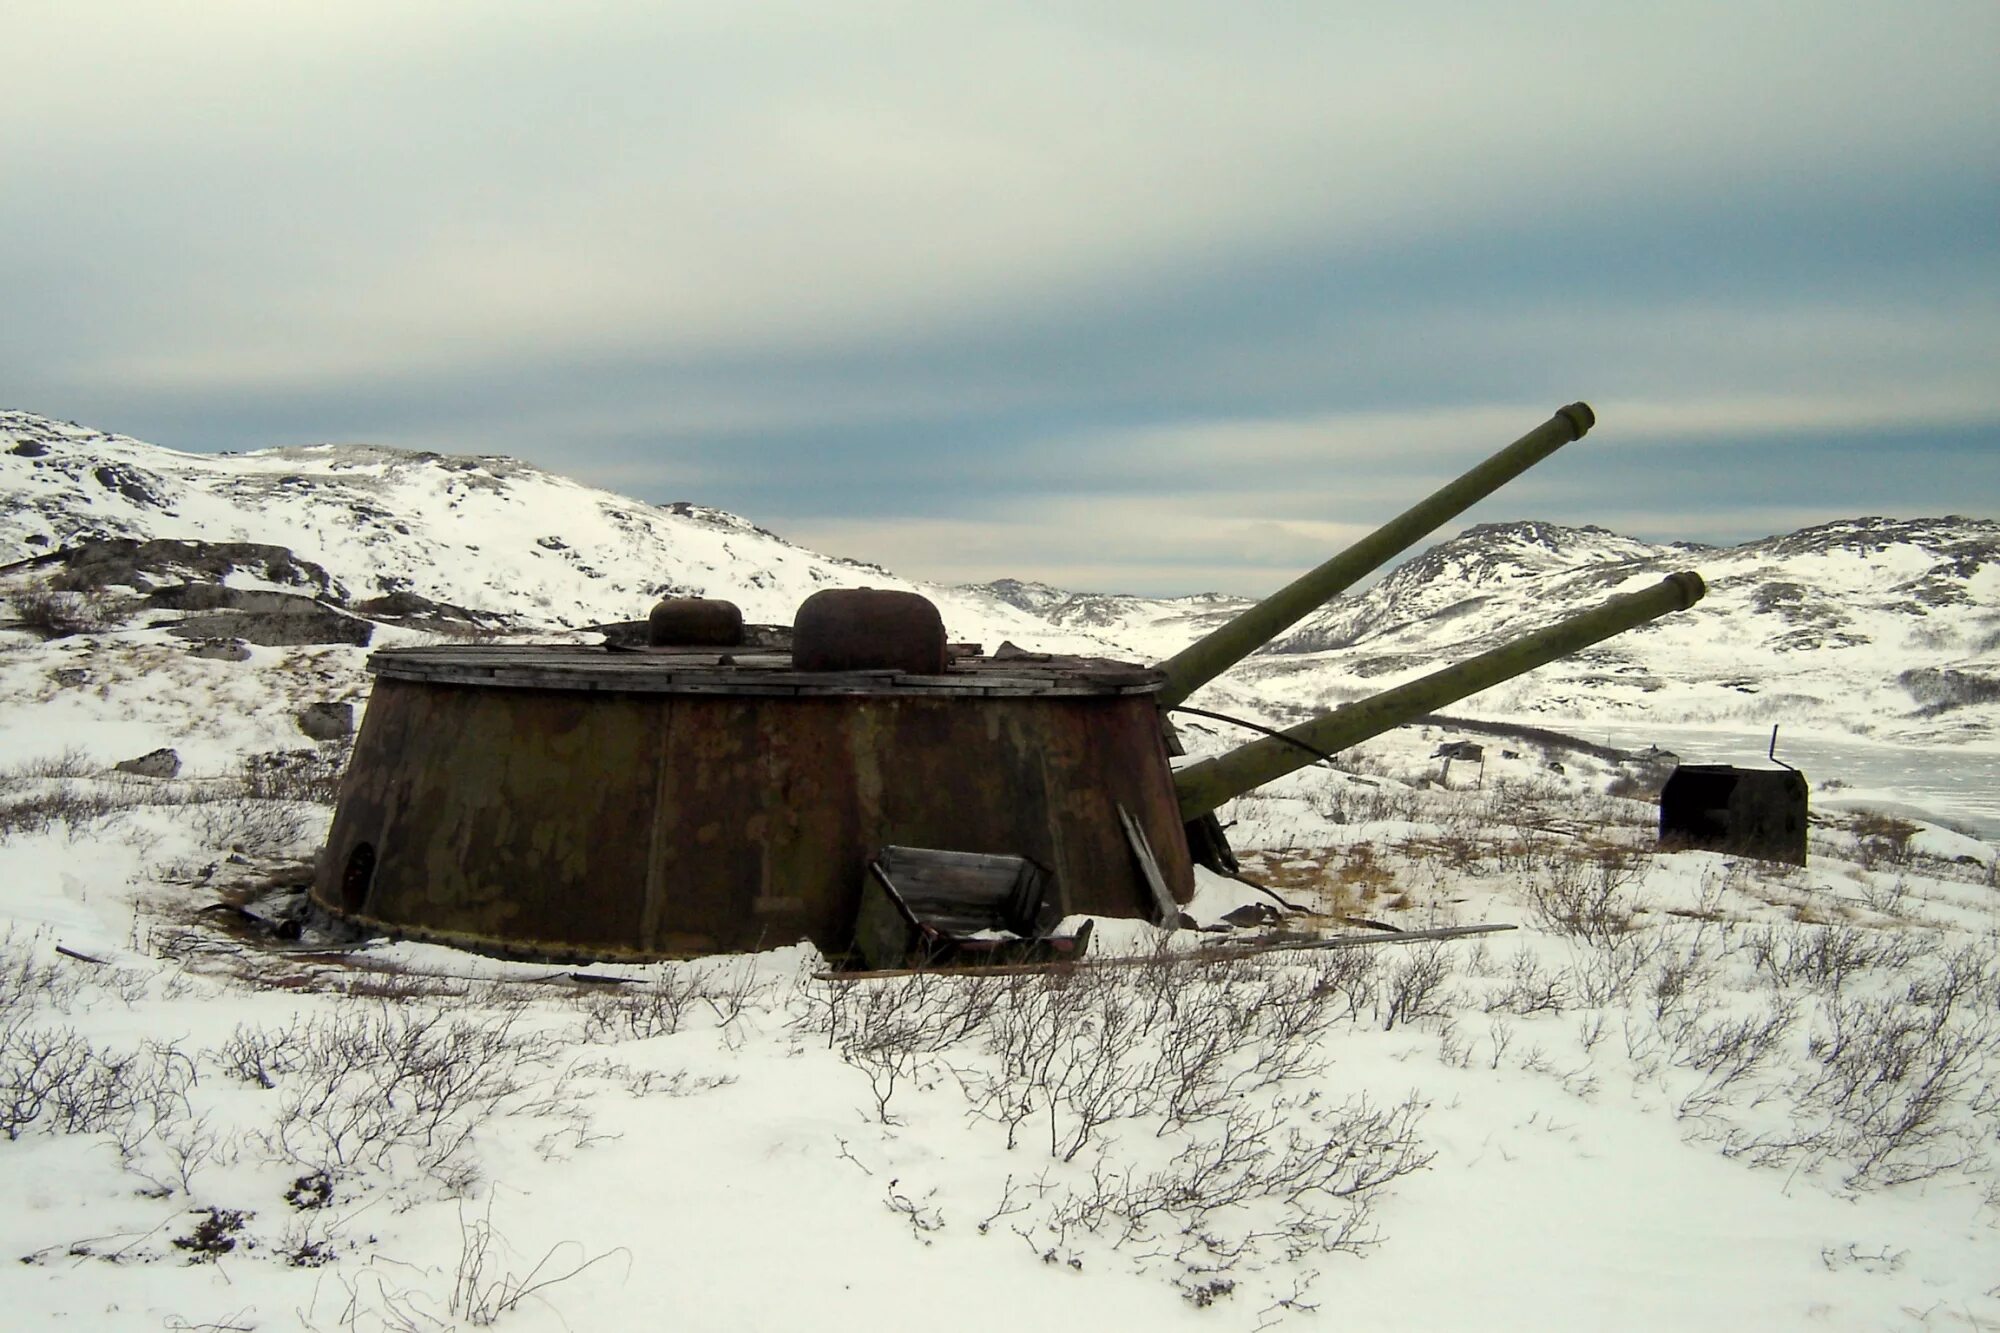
1772, 753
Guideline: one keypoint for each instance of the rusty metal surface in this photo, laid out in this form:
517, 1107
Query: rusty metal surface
867, 629
459, 806
706, 622
562, 823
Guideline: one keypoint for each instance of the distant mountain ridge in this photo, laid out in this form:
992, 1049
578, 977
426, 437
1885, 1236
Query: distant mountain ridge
1815, 578
1156, 626
1873, 626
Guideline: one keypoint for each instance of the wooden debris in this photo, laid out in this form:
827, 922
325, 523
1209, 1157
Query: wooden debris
927, 906
669, 670
1218, 955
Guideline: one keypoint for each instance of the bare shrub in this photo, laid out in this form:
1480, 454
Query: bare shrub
1637, 785
1607, 970
1584, 894
1828, 957
260, 1055
1413, 986
54, 1079
1527, 810
1529, 989
1181, 1041
1363, 800
366, 1084
1882, 839
1329, 800
1362, 875
485, 1287
1902, 1086
1677, 975
189, 1144
1892, 1069
1280, 1013
1258, 1180
1727, 1050
28, 983
307, 1242
731, 990
59, 613
37, 1063
1071, 1052
66, 806
72, 762
1173, 1042
311, 776
927, 1012
1352, 975
1885, 895
252, 826
655, 1007
223, 813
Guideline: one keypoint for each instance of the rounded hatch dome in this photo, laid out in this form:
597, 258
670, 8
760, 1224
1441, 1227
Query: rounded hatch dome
868, 629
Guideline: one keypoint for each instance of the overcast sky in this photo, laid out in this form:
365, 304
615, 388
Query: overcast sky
1145, 296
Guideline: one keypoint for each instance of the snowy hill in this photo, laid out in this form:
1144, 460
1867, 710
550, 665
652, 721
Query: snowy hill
1454, 580
1876, 627
486, 533
1151, 627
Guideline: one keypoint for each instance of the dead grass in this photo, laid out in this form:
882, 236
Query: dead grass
1882, 839
1321, 877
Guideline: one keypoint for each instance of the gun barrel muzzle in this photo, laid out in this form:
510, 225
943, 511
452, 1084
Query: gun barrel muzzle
1225, 646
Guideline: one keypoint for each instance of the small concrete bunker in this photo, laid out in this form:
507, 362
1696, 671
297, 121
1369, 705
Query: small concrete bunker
1754, 812
728, 787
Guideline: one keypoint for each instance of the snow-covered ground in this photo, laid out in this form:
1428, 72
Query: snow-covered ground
1689, 1090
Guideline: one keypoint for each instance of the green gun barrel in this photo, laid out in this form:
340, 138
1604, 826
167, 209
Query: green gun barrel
1204, 660
1204, 786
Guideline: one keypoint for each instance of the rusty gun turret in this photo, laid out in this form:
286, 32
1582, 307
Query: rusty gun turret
724, 787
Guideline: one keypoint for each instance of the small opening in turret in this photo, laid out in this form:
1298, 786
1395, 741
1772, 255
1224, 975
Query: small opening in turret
356, 879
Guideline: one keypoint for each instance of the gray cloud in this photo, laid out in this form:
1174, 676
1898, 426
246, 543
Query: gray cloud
1143, 295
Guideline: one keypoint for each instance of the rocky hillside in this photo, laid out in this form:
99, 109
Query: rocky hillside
1877, 627
490, 535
